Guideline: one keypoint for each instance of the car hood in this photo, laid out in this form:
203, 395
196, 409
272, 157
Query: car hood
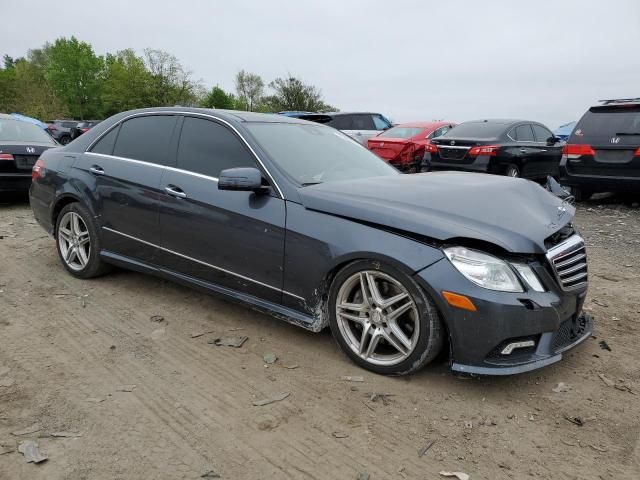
515, 214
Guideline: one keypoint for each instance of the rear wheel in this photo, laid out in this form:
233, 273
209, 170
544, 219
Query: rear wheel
580, 194
512, 171
64, 139
382, 319
78, 242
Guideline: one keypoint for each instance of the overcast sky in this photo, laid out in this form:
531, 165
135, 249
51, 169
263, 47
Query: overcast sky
411, 60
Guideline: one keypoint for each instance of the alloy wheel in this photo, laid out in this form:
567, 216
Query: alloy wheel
74, 241
377, 317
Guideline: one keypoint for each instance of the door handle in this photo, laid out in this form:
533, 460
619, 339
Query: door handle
523, 150
96, 170
175, 191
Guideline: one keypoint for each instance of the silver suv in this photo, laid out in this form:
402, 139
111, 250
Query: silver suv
360, 126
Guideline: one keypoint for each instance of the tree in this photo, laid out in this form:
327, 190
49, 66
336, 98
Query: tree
218, 98
249, 87
171, 84
74, 72
127, 83
292, 93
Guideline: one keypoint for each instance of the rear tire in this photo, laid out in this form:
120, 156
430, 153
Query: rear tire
512, 171
581, 195
382, 319
78, 242
64, 140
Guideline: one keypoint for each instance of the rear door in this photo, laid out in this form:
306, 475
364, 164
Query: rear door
550, 151
525, 152
122, 172
232, 239
362, 127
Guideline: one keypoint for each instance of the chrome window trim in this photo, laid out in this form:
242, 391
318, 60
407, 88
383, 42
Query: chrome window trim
202, 263
185, 113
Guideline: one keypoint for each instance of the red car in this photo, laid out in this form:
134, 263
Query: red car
403, 146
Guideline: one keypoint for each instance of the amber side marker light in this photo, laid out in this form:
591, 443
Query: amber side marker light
459, 301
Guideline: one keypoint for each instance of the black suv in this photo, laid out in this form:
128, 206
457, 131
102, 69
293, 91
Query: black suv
603, 151
516, 148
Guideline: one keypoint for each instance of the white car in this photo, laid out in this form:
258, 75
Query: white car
360, 126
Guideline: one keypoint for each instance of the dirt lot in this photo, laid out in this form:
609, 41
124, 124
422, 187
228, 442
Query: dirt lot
68, 348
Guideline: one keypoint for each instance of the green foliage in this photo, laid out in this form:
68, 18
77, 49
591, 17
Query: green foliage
74, 72
127, 83
218, 98
249, 87
291, 93
67, 79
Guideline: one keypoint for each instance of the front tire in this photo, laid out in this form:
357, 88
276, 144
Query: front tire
382, 319
78, 242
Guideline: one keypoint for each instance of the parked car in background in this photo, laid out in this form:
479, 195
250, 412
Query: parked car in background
61, 130
82, 127
21, 144
403, 146
295, 219
603, 151
516, 148
360, 126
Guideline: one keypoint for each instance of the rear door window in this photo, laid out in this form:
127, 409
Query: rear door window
206, 147
542, 134
342, 122
363, 122
477, 130
523, 133
106, 143
146, 138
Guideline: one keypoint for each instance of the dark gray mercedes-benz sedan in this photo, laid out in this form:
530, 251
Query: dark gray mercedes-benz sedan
298, 220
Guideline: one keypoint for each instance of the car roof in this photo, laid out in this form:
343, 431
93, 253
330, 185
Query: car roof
5, 116
501, 121
425, 125
338, 114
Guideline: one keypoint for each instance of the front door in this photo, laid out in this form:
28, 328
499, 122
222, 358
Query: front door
232, 239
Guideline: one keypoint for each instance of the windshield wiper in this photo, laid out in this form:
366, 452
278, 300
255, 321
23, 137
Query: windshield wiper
308, 184
619, 134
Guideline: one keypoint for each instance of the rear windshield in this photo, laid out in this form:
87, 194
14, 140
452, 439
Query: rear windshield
477, 130
604, 123
18, 131
401, 132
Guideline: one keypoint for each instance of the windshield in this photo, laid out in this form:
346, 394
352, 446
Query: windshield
476, 130
401, 132
18, 131
315, 153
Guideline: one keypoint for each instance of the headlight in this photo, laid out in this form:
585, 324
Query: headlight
529, 276
484, 270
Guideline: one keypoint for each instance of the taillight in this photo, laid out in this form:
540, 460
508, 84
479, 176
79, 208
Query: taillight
83, 130
572, 150
637, 154
490, 150
6, 156
52, 128
38, 170
431, 148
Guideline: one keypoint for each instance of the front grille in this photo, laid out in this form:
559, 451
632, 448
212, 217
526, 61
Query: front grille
569, 262
452, 153
25, 162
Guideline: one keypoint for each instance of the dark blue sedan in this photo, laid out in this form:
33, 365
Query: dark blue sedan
298, 220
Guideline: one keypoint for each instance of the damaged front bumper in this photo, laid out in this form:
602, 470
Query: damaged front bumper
508, 333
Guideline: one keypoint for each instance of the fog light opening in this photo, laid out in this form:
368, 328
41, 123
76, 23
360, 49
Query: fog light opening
515, 345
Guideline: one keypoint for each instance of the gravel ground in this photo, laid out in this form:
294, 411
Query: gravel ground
137, 396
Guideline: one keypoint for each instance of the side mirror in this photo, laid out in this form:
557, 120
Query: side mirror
244, 179
553, 140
